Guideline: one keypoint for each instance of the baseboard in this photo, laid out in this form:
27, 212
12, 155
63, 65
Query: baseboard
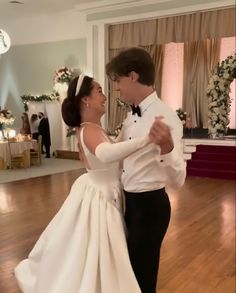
61, 154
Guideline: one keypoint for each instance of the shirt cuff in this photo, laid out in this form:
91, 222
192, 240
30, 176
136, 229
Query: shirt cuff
169, 158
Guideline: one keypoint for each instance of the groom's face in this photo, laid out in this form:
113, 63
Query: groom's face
126, 86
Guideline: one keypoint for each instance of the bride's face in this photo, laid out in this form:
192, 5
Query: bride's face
97, 101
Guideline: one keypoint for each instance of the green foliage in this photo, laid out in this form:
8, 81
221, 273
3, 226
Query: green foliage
39, 98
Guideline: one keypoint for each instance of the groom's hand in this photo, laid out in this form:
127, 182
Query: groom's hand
160, 134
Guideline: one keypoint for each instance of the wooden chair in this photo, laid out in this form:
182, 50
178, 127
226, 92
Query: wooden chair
16, 160
36, 155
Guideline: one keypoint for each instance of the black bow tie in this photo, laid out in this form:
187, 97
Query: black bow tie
136, 109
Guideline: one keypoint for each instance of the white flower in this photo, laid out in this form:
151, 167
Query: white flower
212, 129
214, 93
226, 75
218, 95
62, 75
6, 117
214, 117
118, 129
214, 104
222, 85
216, 110
61, 89
215, 78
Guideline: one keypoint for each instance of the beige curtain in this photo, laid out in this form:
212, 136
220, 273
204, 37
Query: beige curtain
179, 29
200, 59
153, 34
116, 112
157, 54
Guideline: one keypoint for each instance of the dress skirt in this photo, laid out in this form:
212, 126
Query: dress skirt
83, 249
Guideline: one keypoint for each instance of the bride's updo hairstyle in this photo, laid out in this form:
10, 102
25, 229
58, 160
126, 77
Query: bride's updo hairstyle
79, 87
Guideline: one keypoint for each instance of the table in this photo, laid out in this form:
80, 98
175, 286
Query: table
18, 147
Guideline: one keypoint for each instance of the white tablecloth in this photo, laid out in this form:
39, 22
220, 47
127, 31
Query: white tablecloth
18, 147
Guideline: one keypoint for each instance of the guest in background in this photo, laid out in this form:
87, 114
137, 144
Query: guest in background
25, 124
34, 125
44, 130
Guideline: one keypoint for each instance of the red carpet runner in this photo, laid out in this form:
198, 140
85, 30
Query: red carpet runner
213, 161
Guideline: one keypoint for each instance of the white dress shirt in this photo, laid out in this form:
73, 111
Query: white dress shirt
35, 126
147, 169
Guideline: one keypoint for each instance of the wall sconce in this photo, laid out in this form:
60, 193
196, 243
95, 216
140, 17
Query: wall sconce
5, 42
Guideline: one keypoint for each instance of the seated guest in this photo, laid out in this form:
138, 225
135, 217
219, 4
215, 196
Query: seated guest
34, 125
25, 129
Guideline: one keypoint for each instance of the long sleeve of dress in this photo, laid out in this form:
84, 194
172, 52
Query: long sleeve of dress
110, 152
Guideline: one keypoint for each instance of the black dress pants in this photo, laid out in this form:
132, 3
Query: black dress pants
147, 218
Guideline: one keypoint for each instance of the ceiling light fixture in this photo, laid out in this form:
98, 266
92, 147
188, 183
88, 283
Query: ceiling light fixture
16, 2
5, 42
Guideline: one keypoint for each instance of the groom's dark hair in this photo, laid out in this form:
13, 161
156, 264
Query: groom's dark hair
132, 59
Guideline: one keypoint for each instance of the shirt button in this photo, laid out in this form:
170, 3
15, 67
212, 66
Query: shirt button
129, 137
123, 171
135, 121
161, 161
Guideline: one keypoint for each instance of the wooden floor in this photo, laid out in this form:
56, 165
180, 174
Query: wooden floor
198, 253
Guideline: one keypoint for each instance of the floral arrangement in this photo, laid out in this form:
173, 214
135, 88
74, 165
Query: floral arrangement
218, 96
61, 80
118, 129
70, 131
6, 118
182, 115
38, 98
122, 104
62, 75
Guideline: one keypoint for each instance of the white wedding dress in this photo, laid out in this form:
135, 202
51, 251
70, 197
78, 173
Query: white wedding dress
83, 249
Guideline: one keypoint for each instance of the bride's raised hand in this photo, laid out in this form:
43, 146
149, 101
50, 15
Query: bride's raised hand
160, 134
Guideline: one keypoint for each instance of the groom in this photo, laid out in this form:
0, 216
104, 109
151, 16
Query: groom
44, 130
147, 172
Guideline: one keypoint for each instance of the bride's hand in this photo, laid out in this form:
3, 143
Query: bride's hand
160, 134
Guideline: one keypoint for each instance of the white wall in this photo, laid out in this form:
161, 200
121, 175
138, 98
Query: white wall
48, 28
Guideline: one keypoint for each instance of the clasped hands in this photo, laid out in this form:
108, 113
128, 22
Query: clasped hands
160, 134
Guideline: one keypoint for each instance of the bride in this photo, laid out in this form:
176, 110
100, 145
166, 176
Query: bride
83, 249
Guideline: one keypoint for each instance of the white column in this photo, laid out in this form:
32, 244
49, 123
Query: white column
101, 59
61, 88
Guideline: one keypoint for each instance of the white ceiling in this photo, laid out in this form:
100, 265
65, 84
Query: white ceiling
30, 8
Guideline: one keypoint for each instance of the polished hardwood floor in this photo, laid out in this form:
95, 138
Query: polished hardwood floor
198, 253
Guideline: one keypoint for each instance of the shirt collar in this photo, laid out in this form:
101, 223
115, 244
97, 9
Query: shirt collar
148, 101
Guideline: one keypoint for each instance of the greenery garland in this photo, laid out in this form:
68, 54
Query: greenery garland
38, 98
218, 96
62, 76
